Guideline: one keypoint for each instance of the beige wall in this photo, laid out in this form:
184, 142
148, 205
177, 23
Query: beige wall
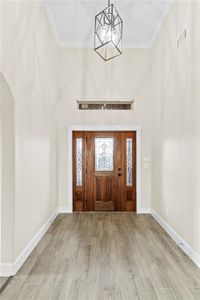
7, 180
176, 123
83, 74
46, 81
28, 56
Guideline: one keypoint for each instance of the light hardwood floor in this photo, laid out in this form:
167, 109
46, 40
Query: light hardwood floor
3, 281
100, 256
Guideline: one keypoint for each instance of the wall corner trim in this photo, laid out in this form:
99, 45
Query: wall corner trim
144, 210
191, 253
64, 210
10, 269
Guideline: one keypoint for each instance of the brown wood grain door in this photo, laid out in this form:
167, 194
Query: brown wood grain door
104, 171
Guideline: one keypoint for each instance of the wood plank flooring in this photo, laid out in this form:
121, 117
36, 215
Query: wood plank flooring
3, 282
101, 256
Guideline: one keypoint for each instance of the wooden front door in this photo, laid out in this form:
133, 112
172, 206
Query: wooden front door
104, 171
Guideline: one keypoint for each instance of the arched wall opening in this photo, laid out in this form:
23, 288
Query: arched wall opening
7, 158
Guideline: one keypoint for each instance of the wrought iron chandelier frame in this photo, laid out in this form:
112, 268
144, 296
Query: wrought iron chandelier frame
108, 33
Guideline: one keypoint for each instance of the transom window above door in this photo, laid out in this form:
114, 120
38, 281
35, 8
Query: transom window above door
104, 149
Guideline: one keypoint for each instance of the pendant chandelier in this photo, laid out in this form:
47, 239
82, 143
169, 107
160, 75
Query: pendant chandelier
108, 33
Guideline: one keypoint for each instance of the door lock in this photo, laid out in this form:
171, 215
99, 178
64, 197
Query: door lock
119, 172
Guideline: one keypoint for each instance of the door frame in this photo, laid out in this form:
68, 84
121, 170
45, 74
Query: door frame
136, 128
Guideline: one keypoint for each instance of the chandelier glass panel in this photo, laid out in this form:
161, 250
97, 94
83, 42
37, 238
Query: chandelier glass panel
108, 33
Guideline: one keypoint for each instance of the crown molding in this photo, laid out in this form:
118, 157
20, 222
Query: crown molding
159, 25
89, 45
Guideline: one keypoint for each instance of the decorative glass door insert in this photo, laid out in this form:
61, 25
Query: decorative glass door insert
104, 148
79, 161
104, 171
129, 162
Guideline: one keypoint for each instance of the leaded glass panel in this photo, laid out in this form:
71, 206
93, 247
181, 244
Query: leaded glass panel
104, 148
79, 161
129, 162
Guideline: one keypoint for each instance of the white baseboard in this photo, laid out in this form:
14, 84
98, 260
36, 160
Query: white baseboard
144, 210
6, 270
11, 269
193, 255
141, 210
64, 210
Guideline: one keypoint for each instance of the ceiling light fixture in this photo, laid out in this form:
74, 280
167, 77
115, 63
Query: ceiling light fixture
108, 33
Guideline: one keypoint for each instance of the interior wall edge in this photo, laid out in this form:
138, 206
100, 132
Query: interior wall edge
185, 247
64, 210
7, 169
10, 269
175, 139
144, 210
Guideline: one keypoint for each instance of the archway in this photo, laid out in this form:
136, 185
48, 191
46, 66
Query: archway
7, 139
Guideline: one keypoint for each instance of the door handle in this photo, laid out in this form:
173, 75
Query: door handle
119, 174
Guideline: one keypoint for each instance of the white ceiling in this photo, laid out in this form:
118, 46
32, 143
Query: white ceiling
73, 21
